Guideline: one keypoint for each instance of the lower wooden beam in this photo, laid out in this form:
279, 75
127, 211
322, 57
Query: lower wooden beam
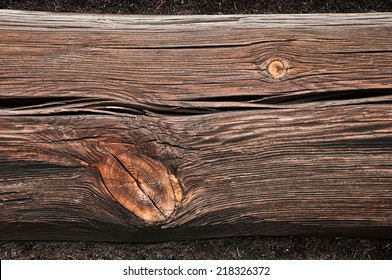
124, 128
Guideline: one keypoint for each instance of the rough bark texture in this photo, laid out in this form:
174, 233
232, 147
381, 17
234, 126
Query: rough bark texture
132, 128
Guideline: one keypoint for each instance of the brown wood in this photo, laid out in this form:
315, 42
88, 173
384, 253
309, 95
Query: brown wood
135, 128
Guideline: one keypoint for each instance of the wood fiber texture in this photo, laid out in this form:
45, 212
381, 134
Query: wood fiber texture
143, 128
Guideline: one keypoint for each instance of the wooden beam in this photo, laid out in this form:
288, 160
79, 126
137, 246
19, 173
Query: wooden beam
142, 128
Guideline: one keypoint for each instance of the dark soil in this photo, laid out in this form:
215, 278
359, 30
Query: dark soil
185, 7
227, 248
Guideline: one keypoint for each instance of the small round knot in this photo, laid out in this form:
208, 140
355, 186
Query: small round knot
276, 69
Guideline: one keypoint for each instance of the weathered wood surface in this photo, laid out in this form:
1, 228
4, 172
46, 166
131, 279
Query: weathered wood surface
132, 128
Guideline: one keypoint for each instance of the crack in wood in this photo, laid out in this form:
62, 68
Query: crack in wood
195, 106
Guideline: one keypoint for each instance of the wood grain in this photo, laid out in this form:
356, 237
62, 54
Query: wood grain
135, 128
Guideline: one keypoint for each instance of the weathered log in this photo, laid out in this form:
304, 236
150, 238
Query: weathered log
135, 128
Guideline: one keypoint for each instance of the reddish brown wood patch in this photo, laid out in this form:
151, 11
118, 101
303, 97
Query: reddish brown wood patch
141, 185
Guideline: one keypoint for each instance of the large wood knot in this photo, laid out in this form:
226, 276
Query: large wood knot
142, 185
